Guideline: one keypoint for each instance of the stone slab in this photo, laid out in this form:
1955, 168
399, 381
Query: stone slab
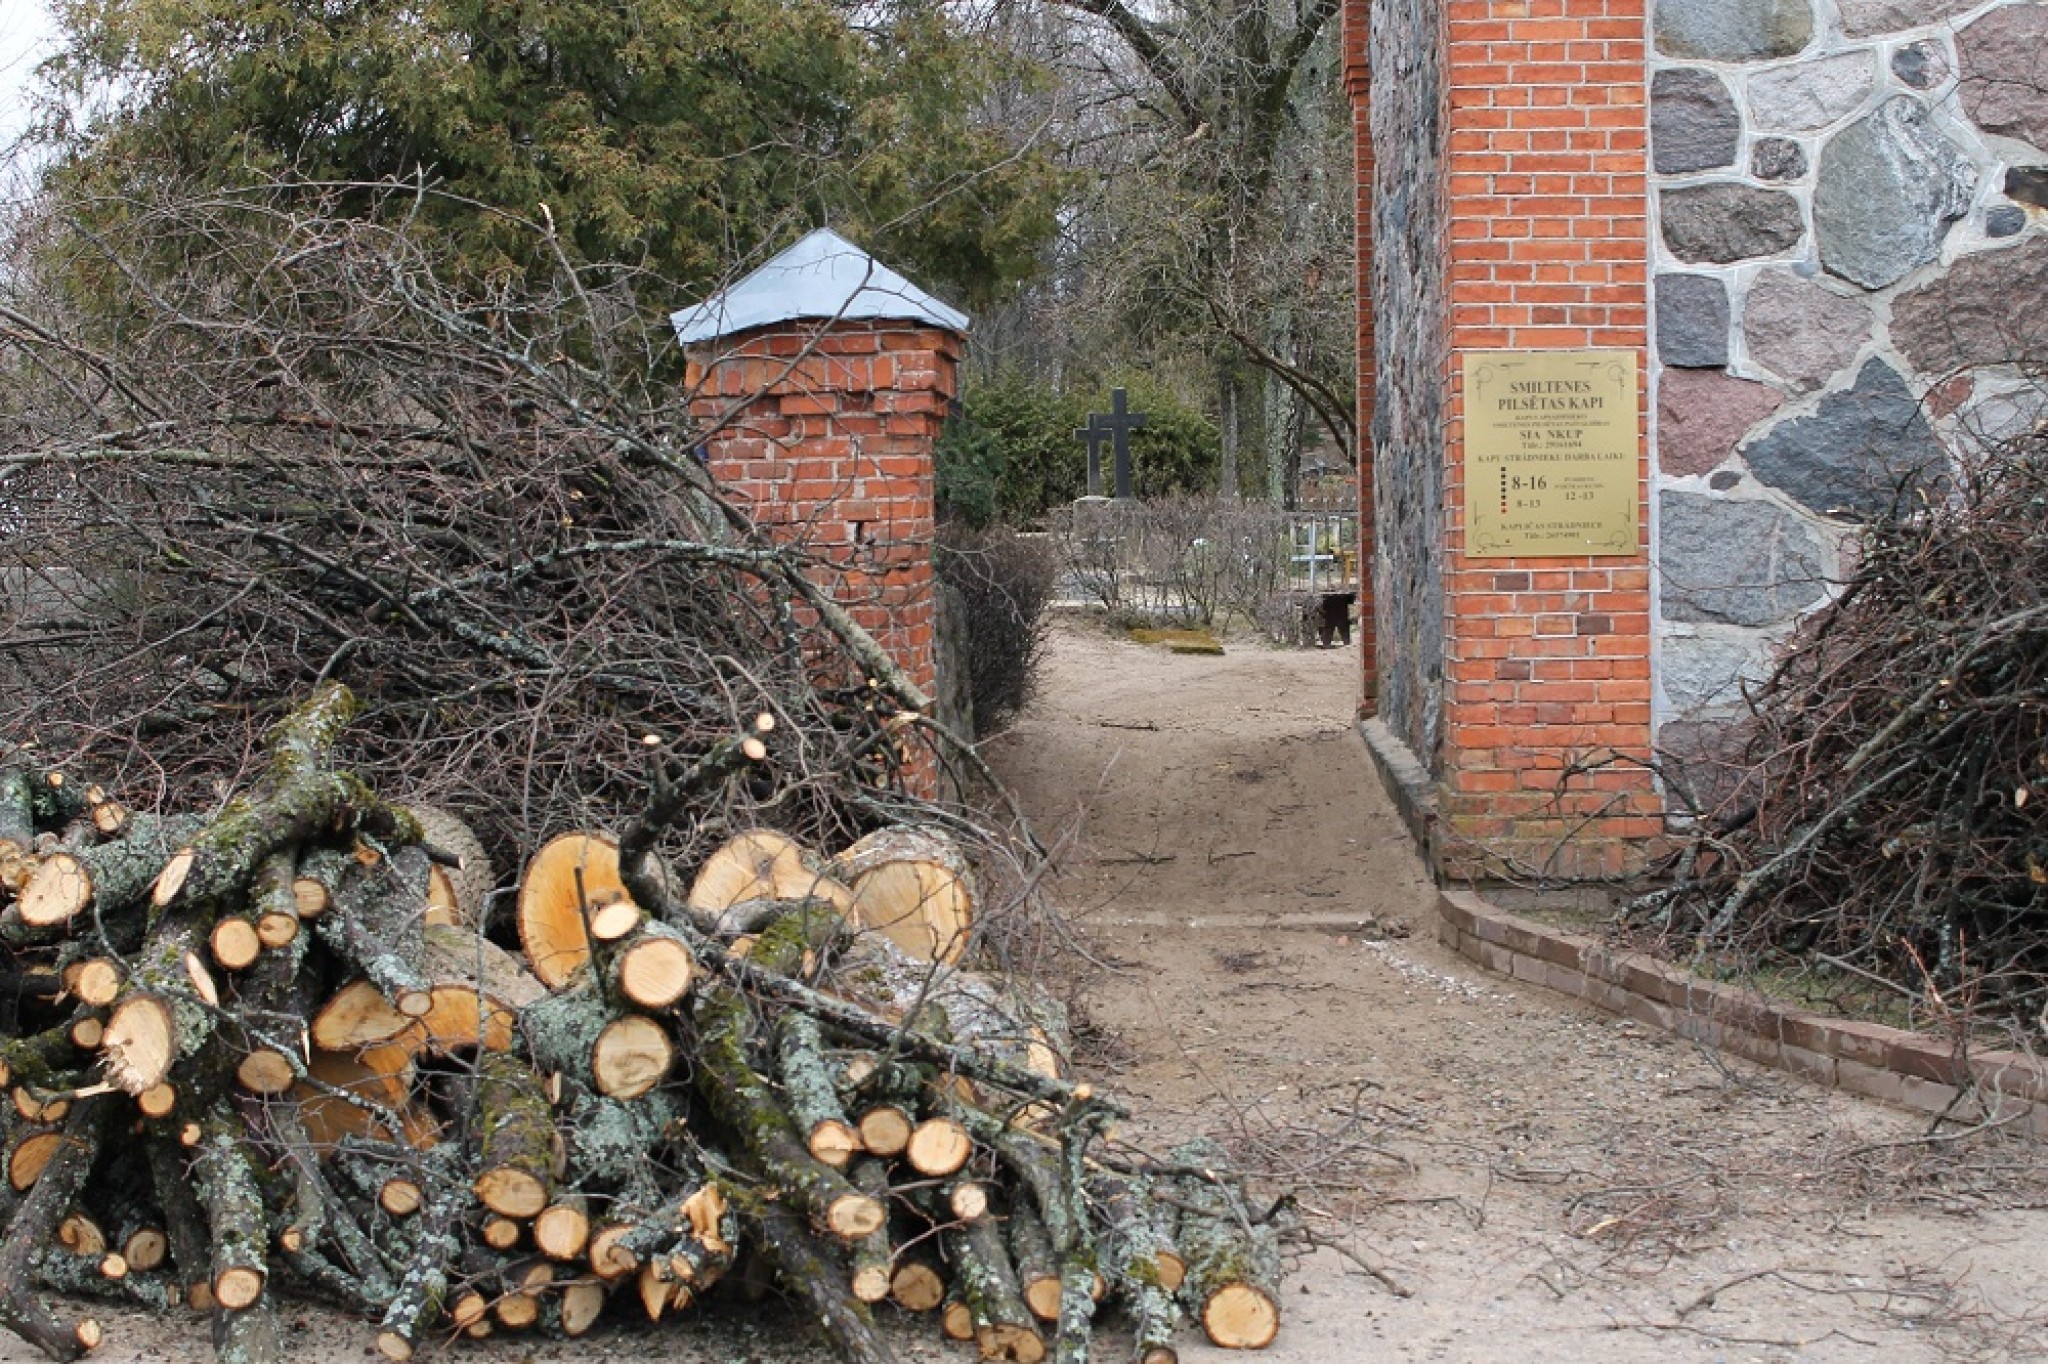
1928, 1058
1698, 672
1726, 561
1567, 950
1731, 30
1922, 65
1857, 452
1801, 331
1702, 415
1406, 782
1564, 980
1778, 159
1864, 18
1812, 94
1888, 189
1722, 224
1459, 908
1967, 318
1692, 321
2011, 1073
1694, 125
1816, 1066
2003, 87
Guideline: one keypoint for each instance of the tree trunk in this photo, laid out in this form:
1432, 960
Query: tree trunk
1227, 427
807, 1269
1233, 1264
416, 1305
516, 1137
1003, 1326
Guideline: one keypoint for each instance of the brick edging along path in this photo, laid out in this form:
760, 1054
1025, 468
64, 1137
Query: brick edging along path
1907, 1069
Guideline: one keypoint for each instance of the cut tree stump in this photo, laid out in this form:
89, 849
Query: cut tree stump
914, 886
761, 866
565, 882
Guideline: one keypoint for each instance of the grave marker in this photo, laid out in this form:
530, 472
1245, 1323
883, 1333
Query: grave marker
1117, 424
1095, 436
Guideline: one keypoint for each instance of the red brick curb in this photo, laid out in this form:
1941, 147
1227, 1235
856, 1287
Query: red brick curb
1906, 1069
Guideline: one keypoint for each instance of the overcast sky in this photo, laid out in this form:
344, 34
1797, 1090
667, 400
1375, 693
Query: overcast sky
26, 31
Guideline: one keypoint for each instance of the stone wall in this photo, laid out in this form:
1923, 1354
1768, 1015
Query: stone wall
1850, 258
1406, 289
1823, 224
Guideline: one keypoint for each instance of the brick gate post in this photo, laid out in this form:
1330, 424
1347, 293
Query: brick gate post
824, 378
1547, 660
1504, 209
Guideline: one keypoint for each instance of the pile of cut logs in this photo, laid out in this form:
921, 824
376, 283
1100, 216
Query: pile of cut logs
274, 1048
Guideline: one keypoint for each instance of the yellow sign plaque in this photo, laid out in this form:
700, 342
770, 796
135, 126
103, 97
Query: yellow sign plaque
1552, 456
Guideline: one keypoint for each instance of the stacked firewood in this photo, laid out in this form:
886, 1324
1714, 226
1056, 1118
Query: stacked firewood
275, 1048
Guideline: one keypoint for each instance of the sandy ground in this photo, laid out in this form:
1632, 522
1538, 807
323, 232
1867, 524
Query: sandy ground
1543, 1182
1531, 1180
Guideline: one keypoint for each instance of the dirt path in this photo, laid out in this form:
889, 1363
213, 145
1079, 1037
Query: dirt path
1545, 1182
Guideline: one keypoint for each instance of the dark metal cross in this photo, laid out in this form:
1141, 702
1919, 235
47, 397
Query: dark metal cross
1095, 436
1118, 425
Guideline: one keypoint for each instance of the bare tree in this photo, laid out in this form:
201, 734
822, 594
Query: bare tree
1216, 222
248, 444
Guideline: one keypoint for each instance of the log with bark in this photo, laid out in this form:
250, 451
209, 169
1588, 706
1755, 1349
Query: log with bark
273, 1050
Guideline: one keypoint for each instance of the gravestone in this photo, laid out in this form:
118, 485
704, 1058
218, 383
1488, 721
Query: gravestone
1117, 424
1095, 436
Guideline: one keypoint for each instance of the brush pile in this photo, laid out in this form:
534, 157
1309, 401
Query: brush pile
1890, 813
483, 513
273, 1049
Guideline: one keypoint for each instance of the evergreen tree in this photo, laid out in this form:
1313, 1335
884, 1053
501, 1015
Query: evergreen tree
678, 135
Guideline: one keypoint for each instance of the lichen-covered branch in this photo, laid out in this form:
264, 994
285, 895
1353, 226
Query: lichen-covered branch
34, 1226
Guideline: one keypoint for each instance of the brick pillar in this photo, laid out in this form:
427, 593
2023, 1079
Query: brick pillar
1547, 659
1358, 85
832, 449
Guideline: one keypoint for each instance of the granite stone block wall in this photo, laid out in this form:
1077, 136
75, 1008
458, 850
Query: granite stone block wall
1851, 284
1406, 288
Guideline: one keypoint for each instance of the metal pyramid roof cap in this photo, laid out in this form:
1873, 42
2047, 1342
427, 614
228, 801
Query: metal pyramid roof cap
823, 276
